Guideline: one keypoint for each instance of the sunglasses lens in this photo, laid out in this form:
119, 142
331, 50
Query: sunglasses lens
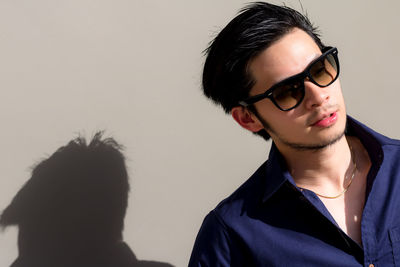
289, 95
324, 71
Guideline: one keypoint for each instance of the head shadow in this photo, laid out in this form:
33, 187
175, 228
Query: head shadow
71, 211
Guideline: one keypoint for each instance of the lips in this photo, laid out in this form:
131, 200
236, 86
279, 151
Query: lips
325, 120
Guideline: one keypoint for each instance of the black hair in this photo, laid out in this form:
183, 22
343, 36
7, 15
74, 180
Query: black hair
226, 79
83, 187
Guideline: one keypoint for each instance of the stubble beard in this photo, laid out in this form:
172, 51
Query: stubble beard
299, 146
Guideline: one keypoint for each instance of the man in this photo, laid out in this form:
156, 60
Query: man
71, 212
329, 194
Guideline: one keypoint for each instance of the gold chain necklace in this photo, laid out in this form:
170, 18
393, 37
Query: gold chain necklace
351, 179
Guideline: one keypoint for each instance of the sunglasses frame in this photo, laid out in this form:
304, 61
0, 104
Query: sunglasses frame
300, 76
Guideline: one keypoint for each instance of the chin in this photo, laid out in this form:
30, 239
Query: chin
326, 142
317, 143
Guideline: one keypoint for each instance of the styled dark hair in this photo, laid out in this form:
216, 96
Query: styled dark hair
83, 187
226, 79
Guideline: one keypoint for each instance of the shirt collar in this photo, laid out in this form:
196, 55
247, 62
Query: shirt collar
276, 172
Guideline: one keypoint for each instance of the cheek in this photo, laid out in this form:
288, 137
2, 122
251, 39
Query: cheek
266, 109
283, 123
337, 91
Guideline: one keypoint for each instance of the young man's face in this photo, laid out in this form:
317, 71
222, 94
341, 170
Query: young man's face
320, 119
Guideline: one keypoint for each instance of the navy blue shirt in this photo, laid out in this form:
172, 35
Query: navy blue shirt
268, 221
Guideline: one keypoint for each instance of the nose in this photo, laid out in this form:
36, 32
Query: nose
315, 96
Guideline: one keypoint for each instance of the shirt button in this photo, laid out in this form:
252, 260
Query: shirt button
371, 265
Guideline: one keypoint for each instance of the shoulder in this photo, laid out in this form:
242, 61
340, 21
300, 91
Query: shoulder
215, 240
245, 197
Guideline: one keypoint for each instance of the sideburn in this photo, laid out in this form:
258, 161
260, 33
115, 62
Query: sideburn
263, 133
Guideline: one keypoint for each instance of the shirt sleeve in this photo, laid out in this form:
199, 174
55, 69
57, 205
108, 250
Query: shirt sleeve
211, 247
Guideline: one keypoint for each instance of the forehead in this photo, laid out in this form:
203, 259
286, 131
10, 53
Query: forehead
286, 57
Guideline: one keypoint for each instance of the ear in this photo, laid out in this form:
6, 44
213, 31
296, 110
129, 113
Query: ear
246, 119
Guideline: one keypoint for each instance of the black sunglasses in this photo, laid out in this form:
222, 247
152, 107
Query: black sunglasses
289, 93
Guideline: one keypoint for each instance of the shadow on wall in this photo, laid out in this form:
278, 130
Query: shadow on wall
71, 212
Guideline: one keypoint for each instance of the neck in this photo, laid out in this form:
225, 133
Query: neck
322, 170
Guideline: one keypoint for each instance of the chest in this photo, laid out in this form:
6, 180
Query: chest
347, 210
292, 229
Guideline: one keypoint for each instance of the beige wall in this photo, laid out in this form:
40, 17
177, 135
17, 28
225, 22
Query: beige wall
133, 68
